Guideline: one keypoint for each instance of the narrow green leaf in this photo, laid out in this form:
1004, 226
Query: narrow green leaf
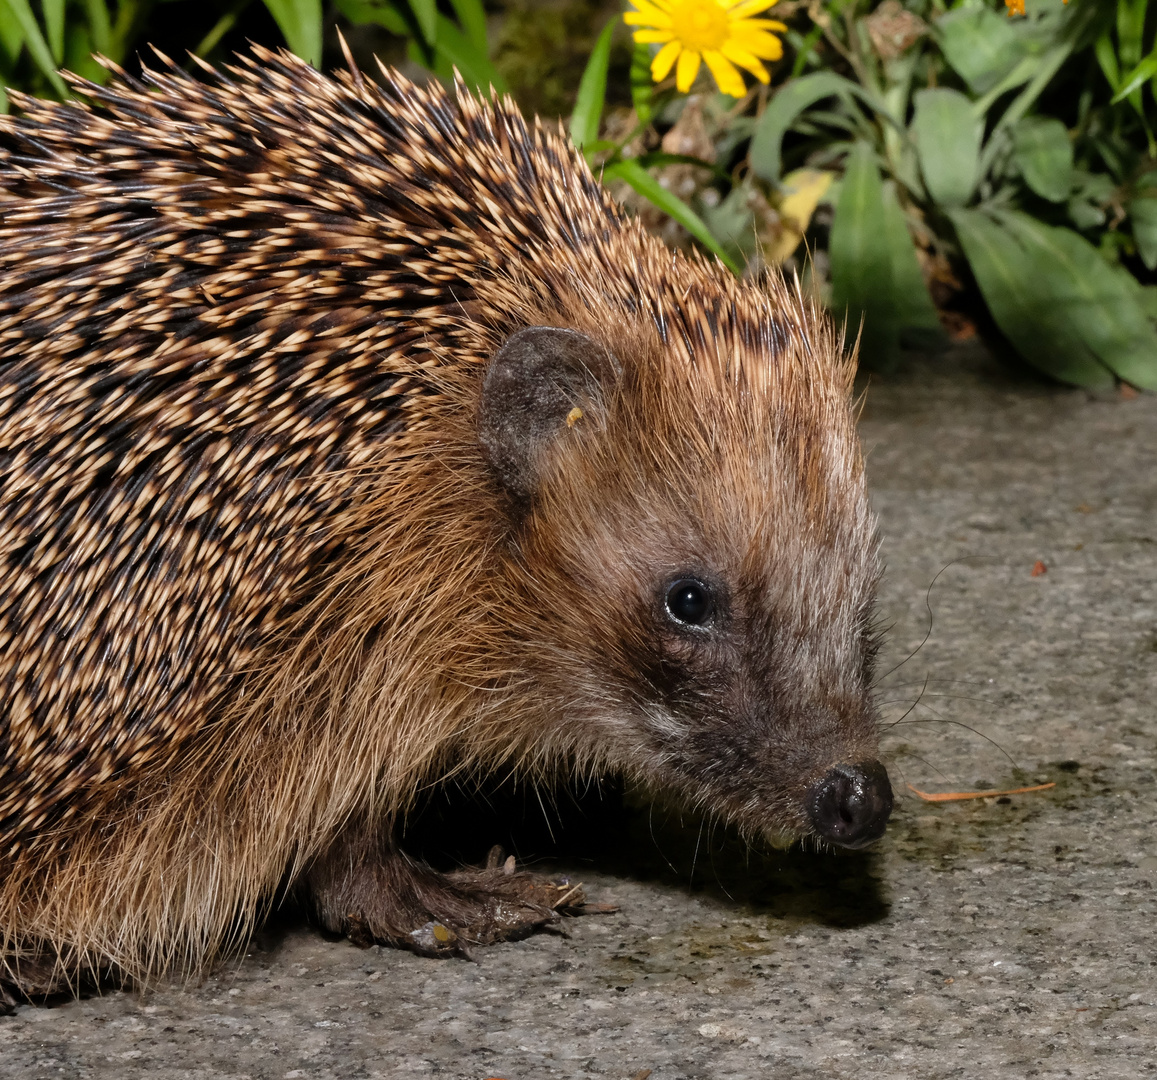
472, 19
474, 65
803, 48
1091, 297
78, 50
861, 261
1143, 214
651, 190
1138, 77
1107, 58
1022, 306
426, 12
1047, 67
53, 11
785, 108
947, 137
11, 38
99, 24
21, 11
375, 12
981, 46
1044, 156
592, 91
1130, 30
1019, 75
300, 22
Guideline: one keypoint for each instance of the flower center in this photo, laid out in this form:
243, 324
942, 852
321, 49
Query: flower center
700, 25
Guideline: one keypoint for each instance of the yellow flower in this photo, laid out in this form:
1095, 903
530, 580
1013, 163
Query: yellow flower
720, 32
1015, 7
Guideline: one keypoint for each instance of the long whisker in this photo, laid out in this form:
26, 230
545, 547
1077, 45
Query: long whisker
958, 723
928, 605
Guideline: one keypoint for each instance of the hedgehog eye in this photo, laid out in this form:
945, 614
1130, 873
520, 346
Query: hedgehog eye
690, 602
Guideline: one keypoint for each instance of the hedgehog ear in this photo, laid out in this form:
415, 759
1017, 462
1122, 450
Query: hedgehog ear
531, 385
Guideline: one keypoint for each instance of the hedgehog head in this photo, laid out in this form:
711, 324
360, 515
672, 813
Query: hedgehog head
694, 558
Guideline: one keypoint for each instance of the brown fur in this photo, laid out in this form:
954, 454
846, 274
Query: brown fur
259, 583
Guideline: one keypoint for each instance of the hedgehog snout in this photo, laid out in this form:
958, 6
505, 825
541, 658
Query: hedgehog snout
850, 804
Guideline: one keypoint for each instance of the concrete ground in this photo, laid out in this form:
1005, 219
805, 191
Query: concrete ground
1003, 938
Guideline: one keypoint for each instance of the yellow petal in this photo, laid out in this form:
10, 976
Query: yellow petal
653, 37
726, 77
745, 60
758, 24
665, 60
764, 46
687, 70
739, 9
647, 15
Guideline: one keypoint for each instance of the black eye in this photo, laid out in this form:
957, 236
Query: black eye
690, 602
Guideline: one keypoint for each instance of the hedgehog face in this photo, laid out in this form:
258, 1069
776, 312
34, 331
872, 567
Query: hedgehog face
698, 591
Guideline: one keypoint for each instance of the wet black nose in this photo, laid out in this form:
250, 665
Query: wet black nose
851, 804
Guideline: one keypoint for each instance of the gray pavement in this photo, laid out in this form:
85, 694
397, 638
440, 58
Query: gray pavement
1002, 938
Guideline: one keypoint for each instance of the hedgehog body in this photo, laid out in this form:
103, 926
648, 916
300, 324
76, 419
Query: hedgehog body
352, 440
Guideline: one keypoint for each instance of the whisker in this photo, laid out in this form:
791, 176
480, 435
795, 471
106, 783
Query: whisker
928, 605
957, 723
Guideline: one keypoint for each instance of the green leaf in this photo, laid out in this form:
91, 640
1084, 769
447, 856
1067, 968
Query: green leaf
426, 12
1097, 300
916, 317
1107, 58
861, 260
1137, 78
375, 12
1147, 298
651, 190
1073, 30
1022, 304
1143, 214
804, 47
1130, 29
592, 91
21, 12
78, 52
784, 109
11, 38
472, 19
300, 22
53, 11
947, 137
473, 64
733, 223
99, 25
981, 46
642, 86
1044, 156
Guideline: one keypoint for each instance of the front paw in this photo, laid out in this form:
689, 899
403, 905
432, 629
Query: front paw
397, 901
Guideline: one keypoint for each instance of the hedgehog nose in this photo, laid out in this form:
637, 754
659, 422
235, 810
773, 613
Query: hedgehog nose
851, 804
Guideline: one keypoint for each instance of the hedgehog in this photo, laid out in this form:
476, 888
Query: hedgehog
355, 442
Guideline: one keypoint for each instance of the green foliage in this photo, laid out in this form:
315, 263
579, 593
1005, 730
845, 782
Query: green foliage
36, 43
991, 176
592, 92
947, 141
874, 267
437, 42
947, 134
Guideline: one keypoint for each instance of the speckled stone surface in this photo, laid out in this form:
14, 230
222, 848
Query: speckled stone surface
998, 938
